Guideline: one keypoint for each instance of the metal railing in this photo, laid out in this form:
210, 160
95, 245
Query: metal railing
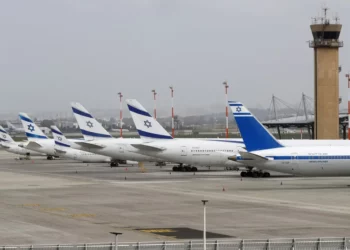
269, 244
326, 43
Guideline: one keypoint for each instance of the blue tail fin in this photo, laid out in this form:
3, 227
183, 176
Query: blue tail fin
254, 134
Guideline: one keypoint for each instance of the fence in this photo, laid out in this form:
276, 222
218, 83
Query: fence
272, 244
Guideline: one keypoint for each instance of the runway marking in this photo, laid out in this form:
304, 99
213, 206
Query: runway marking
31, 205
53, 209
255, 200
147, 182
83, 215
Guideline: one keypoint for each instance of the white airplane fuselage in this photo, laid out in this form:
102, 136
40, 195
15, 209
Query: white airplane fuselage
306, 161
47, 146
83, 156
15, 148
197, 152
215, 152
118, 149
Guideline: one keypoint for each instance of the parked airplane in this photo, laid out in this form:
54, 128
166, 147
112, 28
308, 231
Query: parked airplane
13, 129
64, 149
38, 141
265, 152
11, 146
99, 141
157, 142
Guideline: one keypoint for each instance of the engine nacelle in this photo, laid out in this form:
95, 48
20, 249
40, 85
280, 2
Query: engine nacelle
127, 162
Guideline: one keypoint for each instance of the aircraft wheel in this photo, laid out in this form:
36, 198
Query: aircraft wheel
243, 174
194, 169
175, 168
266, 175
254, 174
188, 169
260, 174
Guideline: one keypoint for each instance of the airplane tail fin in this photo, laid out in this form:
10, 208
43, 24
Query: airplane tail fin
4, 136
254, 134
59, 138
10, 125
89, 126
148, 128
33, 132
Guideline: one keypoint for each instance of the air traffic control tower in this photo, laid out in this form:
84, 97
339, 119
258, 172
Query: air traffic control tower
326, 62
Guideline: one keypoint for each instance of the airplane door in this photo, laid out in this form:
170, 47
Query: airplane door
294, 164
183, 151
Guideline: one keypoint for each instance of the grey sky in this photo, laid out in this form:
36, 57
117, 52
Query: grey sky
55, 52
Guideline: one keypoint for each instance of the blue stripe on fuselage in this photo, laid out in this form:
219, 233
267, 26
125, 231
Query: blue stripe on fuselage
304, 157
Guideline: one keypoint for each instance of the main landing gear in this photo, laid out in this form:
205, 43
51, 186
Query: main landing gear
184, 168
114, 164
255, 174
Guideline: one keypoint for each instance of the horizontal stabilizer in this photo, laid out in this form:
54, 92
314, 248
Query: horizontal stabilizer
5, 145
60, 151
147, 147
89, 144
33, 144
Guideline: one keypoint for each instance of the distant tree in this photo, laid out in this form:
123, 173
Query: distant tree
46, 123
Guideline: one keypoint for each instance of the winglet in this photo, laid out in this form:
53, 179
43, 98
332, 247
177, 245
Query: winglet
254, 134
148, 128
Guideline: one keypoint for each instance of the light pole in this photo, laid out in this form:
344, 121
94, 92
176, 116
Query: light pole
348, 76
226, 87
116, 239
121, 113
204, 225
172, 112
155, 105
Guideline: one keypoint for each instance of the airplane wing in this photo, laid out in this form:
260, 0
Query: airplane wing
33, 144
251, 156
246, 156
60, 151
147, 147
4, 145
89, 144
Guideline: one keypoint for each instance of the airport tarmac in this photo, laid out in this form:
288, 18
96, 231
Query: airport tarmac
63, 201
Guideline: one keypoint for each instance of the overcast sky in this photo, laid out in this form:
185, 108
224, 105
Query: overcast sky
55, 52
